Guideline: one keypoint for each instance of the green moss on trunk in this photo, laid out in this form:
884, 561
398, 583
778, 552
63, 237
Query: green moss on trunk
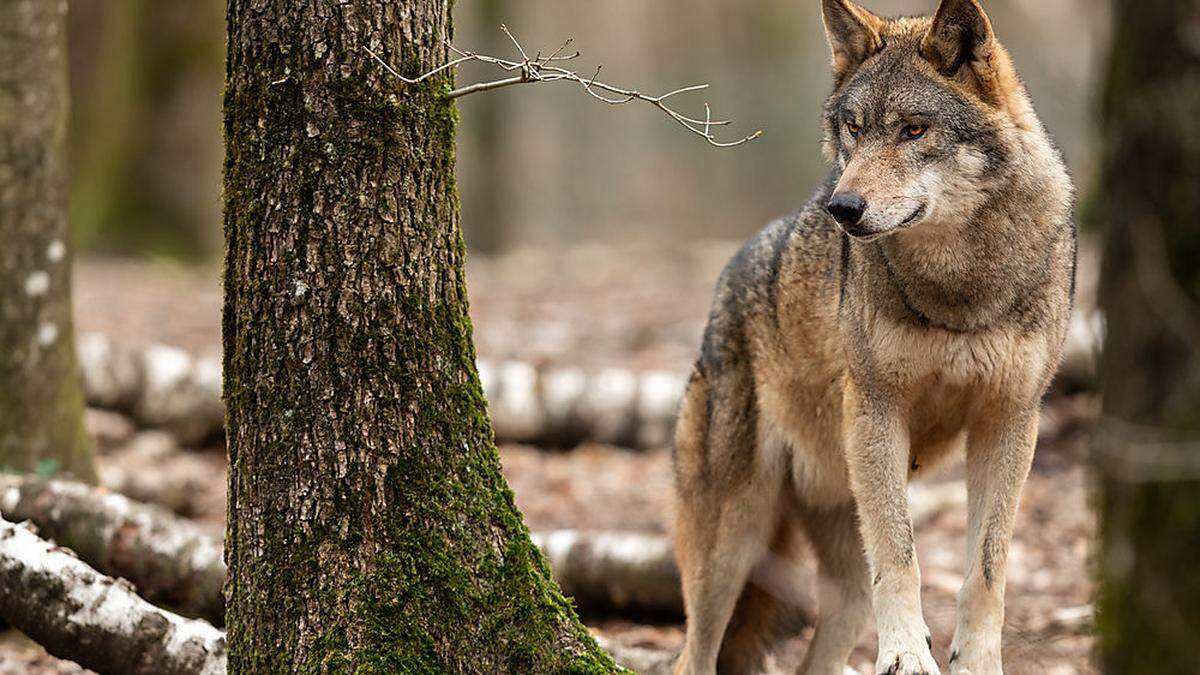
41, 399
370, 528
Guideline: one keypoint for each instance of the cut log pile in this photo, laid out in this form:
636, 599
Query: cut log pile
170, 561
70, 606
166, 388
95, 620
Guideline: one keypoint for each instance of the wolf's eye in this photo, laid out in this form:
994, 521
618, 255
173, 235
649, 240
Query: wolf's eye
915, 130
853, 128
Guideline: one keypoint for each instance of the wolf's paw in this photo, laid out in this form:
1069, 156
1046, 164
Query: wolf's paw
906, 663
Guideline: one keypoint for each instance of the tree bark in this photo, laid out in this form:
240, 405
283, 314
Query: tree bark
369, 524
41, 402
1149, 459
99, 622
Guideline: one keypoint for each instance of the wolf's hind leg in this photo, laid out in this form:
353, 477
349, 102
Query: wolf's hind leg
727, 505
764, 608
843, 588
718, 544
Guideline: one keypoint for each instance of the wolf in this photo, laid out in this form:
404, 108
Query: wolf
915, 308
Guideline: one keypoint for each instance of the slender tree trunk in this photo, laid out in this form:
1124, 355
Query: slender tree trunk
1149, 205
369, 525
41, 400
146, 158
488, 205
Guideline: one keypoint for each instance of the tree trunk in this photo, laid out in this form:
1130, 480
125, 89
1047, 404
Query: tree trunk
1149, 461
488, 205
145, 168
369, 525
41, 401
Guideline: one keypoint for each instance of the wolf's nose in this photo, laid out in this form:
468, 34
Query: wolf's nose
847, 207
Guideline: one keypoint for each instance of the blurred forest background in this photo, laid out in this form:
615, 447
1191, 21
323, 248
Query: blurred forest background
596, 234
539, 166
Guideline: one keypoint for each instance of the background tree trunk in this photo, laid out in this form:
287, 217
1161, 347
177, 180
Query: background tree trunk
1149, 205
369, 525
41, 400
487, 206
145, 164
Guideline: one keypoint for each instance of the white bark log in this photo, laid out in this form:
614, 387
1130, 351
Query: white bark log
158, 386
171, 561
79, 614
627, 573
614, 572
166, 388
175, 564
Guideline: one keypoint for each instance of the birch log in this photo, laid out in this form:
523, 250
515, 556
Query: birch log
159, 386
99, 622
166, 388
173, 563
170, 561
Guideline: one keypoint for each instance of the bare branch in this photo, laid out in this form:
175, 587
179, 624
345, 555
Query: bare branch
542, 69
517, 44
486, 86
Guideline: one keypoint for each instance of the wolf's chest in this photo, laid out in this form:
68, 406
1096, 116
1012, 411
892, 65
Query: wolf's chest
991, 360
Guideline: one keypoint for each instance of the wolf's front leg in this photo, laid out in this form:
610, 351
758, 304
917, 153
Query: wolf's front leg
877, 446
999, 453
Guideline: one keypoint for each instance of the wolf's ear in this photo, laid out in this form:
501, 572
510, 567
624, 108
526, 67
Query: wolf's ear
853, 35
961, 33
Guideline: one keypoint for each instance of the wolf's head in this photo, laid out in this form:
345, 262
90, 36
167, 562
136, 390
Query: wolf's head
923, 118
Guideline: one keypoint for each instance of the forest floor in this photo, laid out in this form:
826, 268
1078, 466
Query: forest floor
599, 306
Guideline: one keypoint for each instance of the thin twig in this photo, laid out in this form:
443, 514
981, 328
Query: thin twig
486, 86
541, 69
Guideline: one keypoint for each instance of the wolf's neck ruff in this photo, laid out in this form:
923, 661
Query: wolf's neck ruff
968, 277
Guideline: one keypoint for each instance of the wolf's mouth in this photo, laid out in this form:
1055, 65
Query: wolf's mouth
862, 233
916, 215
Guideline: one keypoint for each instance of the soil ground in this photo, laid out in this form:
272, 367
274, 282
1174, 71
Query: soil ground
601, 306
